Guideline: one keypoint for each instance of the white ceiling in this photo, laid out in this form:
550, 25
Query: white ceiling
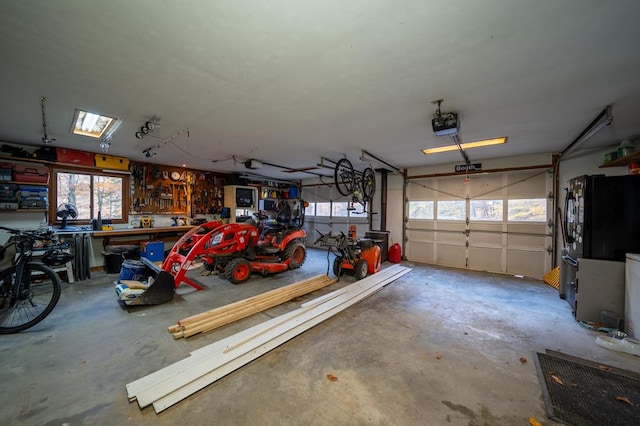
289, 82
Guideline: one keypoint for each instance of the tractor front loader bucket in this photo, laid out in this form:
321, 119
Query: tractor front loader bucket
159, 288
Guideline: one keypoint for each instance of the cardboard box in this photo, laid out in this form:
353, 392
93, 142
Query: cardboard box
152, 250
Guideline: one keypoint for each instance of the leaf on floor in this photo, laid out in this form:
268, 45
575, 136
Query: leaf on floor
533, 421
624, 399
557, 379
605, 368
523, 360
438, 356
332, 378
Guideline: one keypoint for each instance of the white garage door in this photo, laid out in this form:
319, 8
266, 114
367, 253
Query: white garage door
497, 222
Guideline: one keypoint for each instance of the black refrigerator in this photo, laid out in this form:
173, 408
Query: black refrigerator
602, 217
602, 224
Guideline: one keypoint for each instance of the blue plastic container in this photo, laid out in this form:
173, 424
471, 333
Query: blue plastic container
132, 270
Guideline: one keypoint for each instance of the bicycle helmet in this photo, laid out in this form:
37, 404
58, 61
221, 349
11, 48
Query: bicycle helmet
56, 257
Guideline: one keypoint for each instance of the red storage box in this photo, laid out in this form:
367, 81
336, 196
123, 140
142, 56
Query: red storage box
74, 156
33, 173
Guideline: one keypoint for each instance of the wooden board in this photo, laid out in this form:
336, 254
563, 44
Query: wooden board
175, 382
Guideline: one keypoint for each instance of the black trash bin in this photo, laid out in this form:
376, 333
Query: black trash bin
114, 256
382, 239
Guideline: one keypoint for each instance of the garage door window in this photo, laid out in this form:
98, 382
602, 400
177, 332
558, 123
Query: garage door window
490, 210
323, 209
527, 210
421, 210
451, 210
310, 210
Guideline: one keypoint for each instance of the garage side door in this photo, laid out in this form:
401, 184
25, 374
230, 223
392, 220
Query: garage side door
494, 222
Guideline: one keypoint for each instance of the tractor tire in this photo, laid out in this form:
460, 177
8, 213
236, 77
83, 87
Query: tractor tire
337, 267
296, 252
238, 270
361, 269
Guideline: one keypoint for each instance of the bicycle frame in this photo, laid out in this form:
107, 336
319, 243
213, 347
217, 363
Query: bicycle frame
359, 185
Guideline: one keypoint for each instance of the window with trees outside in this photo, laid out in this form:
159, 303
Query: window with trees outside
420, 209
527, 210
490, 210
92, 193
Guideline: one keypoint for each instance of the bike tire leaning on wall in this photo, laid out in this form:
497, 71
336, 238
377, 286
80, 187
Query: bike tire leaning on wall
34, 302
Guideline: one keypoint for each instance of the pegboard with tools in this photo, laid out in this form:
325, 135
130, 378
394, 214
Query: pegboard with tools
157, 189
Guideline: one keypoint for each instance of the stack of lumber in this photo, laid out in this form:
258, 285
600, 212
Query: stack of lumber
204, 366
214, 318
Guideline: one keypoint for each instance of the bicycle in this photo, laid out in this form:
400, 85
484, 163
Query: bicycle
29, 290
359, 185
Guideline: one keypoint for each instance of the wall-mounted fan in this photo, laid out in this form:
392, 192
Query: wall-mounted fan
66, 211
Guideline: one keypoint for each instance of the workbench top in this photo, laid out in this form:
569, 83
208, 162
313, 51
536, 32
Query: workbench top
141, 231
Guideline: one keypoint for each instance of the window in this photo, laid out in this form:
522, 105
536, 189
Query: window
310, 210
90, 124
420, 209
451, 210
339, 209
486, 210
323, 209
92, 193
527, 210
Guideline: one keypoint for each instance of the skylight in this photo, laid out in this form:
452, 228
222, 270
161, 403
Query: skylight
90, 124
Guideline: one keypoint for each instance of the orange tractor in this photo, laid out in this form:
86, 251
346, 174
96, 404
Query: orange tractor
236, 250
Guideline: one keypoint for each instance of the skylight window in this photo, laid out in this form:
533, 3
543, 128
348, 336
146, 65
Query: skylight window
90, 124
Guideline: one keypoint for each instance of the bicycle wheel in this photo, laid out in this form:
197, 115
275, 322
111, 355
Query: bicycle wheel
38, 295
344, 177
368, 183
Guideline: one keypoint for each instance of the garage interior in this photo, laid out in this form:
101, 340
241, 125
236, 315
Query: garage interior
207, 101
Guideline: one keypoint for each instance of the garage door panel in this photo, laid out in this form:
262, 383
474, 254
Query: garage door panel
451, 255
420, 224
451, 237
535, 242
486, 226
485, 239
419, 235
527, 228
420, 251
497, 244
485, 259
526, 262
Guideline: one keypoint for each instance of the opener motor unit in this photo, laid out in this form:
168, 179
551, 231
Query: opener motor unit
446, 124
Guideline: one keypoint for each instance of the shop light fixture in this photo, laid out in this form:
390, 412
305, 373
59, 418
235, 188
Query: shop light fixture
466, 145
90, 124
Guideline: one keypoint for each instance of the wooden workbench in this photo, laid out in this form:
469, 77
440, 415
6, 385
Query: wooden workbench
145, 234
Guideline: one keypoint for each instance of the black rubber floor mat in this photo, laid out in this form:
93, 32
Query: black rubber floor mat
582, 393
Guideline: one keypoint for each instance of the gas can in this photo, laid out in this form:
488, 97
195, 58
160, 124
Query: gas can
395, 253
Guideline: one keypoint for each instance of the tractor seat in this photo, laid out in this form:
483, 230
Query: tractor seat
283, 219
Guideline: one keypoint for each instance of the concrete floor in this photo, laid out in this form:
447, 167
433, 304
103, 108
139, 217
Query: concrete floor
437, 347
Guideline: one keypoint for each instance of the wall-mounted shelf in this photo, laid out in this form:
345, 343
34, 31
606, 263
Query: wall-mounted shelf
624, 161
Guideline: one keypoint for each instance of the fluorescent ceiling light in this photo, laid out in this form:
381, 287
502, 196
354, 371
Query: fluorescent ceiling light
90, 124
466, 145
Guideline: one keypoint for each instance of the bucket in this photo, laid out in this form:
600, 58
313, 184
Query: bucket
114, 255
131, 270
293, 192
